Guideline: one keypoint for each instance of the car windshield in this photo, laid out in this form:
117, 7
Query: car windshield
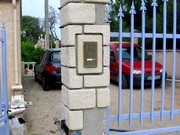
126, 53
55, 56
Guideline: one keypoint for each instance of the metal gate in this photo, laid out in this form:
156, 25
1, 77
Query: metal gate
4, 124
141, 118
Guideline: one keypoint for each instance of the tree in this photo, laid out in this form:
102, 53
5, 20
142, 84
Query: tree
32, 29
29, 53
53, 20
126, 5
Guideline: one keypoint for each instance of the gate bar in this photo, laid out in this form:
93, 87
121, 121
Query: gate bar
143, 8
164, 60
4, 79
120, 66
174, 59
132, 12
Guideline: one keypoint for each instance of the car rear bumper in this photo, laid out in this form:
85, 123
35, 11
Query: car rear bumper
53, 78
147, 79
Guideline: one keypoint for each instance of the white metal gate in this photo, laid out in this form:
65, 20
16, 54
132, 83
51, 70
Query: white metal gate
142, 114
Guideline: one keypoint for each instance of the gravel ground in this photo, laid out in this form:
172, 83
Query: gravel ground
45, 106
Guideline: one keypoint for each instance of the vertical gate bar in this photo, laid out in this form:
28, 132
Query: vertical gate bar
107, 120
4, 75
1, 78
164, 59
154, 4
120, 66
132, 12
143, 8
174, 58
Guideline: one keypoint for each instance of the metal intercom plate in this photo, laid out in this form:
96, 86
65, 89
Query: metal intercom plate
90, 54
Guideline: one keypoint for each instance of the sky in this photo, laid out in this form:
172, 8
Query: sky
36, 8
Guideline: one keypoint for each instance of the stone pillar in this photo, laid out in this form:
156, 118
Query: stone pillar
85, 89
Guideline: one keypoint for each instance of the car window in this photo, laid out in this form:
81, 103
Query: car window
126, 53
55, 56
45, 56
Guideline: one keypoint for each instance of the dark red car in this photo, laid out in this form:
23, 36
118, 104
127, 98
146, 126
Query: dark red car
126, 68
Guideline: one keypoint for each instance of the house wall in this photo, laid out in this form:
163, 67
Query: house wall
7, 17
169, 61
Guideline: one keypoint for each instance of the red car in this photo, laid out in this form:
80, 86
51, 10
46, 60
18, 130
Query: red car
126, 66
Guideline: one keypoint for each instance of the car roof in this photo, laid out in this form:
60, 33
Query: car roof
124, 44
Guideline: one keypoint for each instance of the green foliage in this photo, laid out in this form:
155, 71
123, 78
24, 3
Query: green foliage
31, 27
126, 5
29, 53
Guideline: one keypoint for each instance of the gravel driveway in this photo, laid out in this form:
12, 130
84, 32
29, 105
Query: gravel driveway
47, 104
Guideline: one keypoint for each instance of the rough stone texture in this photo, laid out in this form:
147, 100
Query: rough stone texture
6, 16
78, 13
101, 16
80, 60
106, 56
97, 80
74, 119
69, 33
70, 78
81, 99
94, 122
63, 2
103, 97
99, 1
64, 95
68, 56
102, 29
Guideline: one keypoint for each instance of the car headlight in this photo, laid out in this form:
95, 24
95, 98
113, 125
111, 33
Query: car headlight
136, 71
161, 70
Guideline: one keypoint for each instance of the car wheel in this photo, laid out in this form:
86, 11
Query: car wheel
124, 82
45, 85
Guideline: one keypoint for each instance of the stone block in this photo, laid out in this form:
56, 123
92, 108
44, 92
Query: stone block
96, 29
106, 56
74, 119
64, 95
68, 56
78, 13
81, 99
70, 78
98, 1
103, 97
63, 2
68, 34
80, 51
97, 80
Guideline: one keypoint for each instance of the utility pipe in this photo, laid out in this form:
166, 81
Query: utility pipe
15, 42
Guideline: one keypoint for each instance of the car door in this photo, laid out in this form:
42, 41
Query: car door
41, 65
113, 65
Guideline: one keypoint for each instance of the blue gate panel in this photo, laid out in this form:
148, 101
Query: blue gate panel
152, 114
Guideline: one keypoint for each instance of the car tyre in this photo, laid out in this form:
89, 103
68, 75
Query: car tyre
45, 85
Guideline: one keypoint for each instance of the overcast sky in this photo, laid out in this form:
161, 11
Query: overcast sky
36, 8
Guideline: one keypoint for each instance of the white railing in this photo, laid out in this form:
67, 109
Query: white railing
28, 69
